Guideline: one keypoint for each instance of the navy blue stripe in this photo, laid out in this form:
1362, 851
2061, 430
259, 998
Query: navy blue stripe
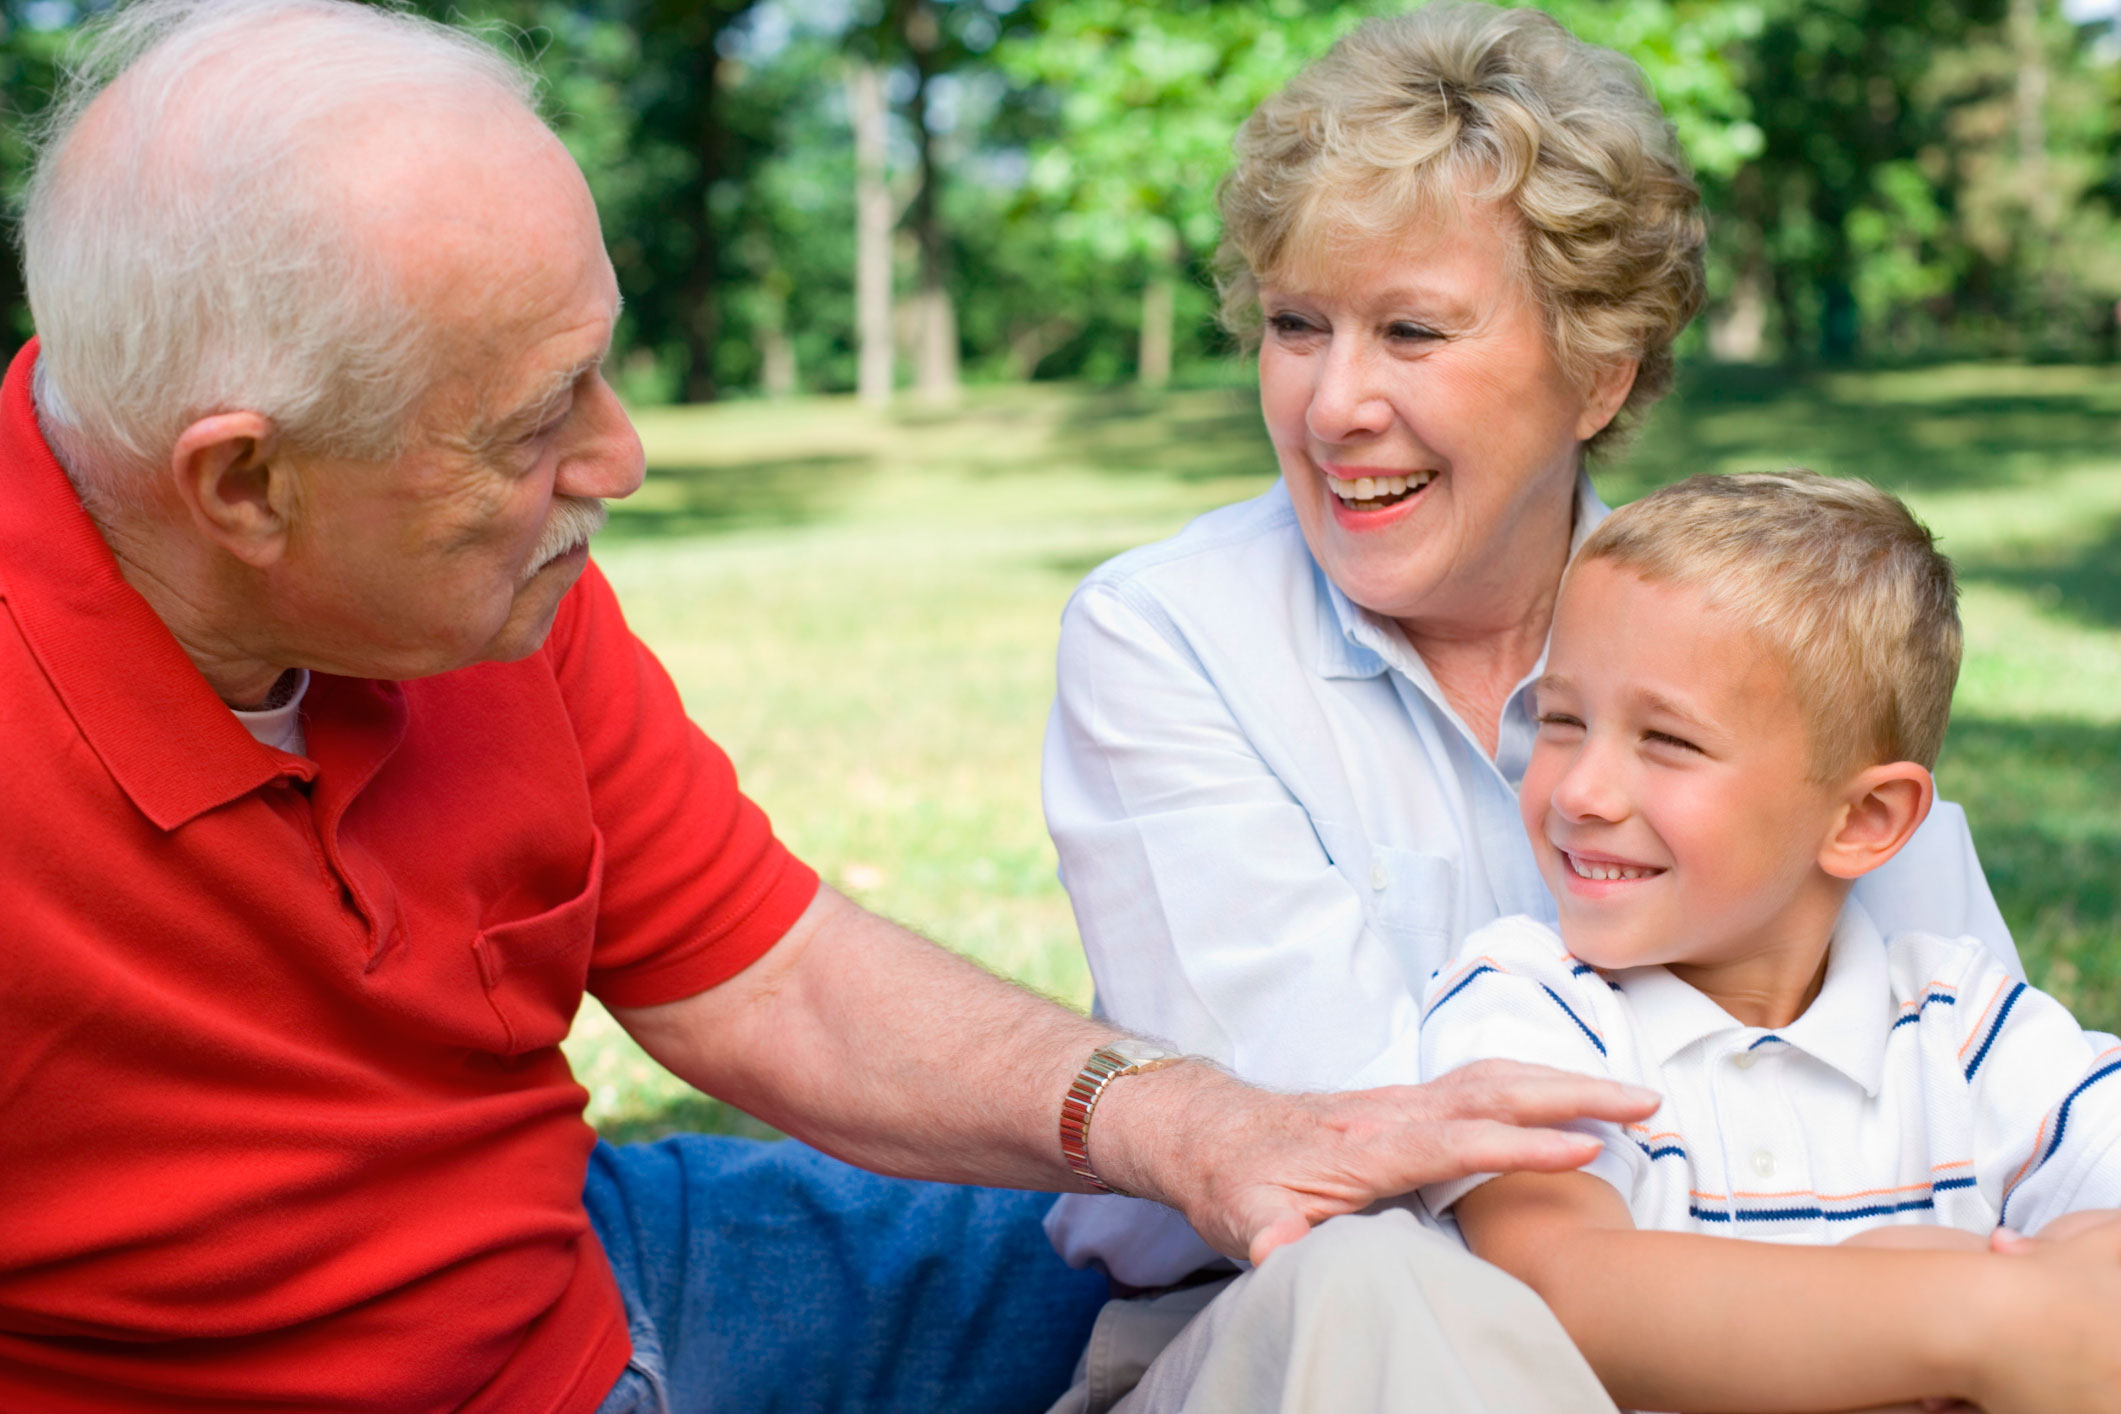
1572, 1016
1879, 1210
1463, 983
2002, 1015
2061, 1123
1916, 1015
1946, 1185
1762, 1042
1662, 1151
1810, 1214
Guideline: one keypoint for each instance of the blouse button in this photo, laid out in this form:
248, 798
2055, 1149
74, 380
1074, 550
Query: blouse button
1377, 873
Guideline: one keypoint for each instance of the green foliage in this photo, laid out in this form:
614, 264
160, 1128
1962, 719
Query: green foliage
1887, 179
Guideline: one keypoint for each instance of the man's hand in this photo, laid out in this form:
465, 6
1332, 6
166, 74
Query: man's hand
1253, 1170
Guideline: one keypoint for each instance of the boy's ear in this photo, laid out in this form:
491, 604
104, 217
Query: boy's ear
1880, 809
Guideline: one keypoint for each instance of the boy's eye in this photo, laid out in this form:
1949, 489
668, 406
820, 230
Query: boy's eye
1560, 720
1667, 739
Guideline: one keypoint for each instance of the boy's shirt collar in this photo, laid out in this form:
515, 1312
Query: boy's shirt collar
1845, 1026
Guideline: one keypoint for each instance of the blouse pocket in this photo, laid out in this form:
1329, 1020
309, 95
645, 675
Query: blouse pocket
1413, 901
535, 968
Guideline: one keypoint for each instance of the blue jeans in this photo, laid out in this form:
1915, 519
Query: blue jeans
768, 1277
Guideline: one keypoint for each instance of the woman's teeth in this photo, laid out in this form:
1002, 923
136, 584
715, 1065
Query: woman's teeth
1586, 870
1369, 493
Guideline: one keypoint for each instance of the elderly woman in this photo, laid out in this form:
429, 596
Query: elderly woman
1282, 766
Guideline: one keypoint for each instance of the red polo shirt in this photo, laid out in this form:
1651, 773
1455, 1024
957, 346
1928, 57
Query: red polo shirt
283, 1119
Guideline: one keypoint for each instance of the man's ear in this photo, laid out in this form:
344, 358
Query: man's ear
225, 470
1602, 400
1880, 810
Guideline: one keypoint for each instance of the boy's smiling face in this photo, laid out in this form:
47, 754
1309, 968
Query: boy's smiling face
1669, 796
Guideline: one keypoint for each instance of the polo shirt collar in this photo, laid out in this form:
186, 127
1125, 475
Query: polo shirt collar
137, 698
1845, 1026
1355, 643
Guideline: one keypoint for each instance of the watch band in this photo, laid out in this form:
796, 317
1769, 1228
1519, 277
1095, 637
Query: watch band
1106, 1064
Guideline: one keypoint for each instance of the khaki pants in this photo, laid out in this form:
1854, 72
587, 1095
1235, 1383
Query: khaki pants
1367, 1313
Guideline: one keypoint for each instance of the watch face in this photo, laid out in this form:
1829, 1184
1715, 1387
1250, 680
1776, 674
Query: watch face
1140, 1052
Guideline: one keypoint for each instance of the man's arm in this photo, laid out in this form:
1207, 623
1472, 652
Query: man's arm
890, 1052
1707, 1323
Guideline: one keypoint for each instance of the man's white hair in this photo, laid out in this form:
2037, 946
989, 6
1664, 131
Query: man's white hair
189, 249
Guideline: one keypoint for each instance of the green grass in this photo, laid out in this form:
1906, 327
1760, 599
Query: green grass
861, 610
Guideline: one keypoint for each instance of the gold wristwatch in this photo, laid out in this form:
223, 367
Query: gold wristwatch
1106, 1064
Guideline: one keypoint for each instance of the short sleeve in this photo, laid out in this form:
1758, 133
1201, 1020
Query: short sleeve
2046, 1098
696, 886
1515, 993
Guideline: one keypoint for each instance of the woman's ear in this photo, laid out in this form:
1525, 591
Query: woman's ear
1603, 400
1880, 810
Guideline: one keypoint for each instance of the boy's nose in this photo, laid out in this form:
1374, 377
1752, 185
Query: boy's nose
1591, 789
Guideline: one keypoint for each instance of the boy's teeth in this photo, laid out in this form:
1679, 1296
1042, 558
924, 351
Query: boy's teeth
1377, 488
1606, 871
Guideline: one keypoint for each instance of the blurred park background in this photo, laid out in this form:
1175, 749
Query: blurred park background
918, 329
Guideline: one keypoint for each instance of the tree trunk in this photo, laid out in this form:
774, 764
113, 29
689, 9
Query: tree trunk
2042, 208
1159, 299
872, 237
936, 371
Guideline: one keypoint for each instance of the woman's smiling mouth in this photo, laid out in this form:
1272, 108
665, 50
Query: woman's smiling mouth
1376, 492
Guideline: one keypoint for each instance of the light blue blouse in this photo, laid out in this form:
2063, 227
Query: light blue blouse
1273, 829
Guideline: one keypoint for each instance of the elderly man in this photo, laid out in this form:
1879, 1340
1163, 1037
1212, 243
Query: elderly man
334, 778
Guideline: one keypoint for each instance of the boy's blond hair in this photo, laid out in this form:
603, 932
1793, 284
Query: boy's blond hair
1837, 577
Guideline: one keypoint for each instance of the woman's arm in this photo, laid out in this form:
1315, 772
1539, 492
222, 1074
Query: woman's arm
1706, 1323
1209, 908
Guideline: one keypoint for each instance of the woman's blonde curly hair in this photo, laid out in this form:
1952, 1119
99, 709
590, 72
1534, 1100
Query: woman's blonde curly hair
1382, 136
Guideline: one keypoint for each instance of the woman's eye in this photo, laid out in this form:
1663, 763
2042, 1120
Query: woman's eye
1402, 331
1290, 325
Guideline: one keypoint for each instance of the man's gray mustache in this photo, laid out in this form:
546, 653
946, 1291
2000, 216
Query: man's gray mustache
573, 520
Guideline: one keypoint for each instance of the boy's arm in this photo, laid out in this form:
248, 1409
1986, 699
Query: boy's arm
1709, 1323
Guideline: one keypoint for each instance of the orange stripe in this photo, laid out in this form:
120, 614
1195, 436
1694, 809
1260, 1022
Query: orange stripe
1982, 1024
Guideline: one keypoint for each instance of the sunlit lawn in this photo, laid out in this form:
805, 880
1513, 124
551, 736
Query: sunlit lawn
861, 609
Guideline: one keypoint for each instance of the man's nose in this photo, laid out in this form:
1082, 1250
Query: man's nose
606, 462
1347, 397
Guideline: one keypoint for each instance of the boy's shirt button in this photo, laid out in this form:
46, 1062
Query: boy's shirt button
1744, 1060
1763, 1163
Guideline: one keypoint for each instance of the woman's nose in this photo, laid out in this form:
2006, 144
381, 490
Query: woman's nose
1347, 401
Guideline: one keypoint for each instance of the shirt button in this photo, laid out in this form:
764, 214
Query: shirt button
1744, 1060
1763, 1163
1377, 873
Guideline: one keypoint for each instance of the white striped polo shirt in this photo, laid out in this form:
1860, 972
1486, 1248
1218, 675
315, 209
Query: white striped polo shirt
1925, 1084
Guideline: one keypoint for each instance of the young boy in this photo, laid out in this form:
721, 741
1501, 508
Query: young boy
1748, 682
